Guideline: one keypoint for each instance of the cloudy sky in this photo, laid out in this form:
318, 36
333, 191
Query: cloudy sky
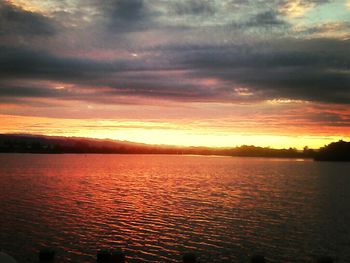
190, 72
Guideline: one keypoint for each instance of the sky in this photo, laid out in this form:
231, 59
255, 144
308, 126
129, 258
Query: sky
179, 72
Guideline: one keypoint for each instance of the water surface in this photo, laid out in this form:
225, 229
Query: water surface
156, 207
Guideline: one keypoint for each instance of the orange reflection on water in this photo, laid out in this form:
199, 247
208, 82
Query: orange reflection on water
156, 207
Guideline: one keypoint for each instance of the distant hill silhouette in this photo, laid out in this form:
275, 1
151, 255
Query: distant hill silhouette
51, 144
15, 143
254, 151
336, 151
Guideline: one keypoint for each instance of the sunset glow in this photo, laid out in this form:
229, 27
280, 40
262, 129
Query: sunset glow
202, 73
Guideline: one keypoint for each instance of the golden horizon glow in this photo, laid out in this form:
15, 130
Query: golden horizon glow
156, 133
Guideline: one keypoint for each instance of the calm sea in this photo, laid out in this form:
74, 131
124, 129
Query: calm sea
156, 207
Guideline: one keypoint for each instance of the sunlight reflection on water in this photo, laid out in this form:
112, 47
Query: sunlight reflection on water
156, 207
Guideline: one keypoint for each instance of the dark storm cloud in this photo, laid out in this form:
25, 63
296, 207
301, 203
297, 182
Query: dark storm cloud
18, 62
121, 77
129, 10
300, 83
313, 70
24, 93
125, 15
124, 78
267, 18
159, 85
16, 21
8, 90
313, 54
192, 7
321, 74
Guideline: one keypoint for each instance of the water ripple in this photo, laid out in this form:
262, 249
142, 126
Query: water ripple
157, 207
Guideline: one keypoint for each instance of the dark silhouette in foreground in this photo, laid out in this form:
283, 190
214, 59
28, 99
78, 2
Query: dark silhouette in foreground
325, 259
115, 256
257, 259
47, 255
189, 258
336, 151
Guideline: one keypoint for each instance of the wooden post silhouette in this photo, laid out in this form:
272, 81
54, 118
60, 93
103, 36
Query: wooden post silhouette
47, 255
117, 256
108, 256
103, 256
189, 258
325, 259
258, 259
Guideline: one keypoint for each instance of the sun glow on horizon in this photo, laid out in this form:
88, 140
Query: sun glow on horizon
157, 133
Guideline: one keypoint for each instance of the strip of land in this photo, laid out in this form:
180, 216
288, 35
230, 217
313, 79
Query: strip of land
16, 143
